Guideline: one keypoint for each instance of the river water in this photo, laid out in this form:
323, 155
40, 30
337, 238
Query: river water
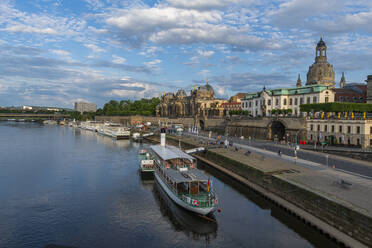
65, 187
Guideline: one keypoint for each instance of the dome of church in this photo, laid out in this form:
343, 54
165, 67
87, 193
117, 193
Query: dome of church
207, 88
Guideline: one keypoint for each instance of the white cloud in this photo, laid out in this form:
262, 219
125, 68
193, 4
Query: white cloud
169, 25
205, 53
118, 60
206, 4
134, 90
294, 12
28, 29
94, 48
59, 52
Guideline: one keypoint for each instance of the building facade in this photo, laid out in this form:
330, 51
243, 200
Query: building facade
231, 106
340, 131
264, 102
85, 107
200, 103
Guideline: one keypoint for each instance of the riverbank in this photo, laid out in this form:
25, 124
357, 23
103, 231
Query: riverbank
316, 195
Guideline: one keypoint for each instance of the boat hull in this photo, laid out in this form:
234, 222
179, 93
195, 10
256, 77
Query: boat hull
202, 211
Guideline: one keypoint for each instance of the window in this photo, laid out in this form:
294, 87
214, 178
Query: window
314, 99
250, 104
285, 101
326, 99
358, 130
341, 98
347, 98
308, 100
318, 127
311, 127
269, 102
311, 137
358, 142
290, 101
295, 101
340, 129
301, 101
276, 102
333, 128
370, 130
326, 128
348, 129
256, 103
263, 102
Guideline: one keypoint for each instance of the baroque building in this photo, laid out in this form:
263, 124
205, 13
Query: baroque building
200, 103
321, 72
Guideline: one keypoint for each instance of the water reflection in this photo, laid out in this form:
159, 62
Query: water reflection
182, 220
147, 179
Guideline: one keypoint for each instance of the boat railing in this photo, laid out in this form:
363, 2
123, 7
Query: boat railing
200, 200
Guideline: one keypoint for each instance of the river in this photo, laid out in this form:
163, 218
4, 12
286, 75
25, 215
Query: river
65, 187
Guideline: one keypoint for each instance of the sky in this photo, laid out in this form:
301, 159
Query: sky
56, 52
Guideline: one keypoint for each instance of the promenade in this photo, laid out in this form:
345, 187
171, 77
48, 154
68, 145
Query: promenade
345, 164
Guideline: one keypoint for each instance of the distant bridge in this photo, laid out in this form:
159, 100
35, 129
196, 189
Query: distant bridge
38, 116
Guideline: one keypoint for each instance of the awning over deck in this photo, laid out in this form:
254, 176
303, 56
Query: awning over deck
170, 152
186, 176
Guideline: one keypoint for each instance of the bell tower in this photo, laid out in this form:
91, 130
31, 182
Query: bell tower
321, 51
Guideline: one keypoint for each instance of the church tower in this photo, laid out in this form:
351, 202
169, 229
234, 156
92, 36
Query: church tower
321, 72
298, 84
343, 81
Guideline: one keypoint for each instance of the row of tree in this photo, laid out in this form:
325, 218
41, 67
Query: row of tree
239, 112
145, 107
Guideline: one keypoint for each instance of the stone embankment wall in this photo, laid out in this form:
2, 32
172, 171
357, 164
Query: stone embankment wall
260, 127
347, 220
209, 124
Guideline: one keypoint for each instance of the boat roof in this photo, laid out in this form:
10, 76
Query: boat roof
170, 152
186, 176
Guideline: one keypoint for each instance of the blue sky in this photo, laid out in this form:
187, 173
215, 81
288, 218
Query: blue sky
55, 52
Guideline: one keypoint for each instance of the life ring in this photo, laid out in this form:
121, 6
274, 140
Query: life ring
215, 201
195, 203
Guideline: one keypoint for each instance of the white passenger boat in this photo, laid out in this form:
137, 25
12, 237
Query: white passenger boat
176, 173
114, 131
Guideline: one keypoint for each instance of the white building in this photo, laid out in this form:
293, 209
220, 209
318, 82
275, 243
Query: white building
85, 107
264, 102
356, 132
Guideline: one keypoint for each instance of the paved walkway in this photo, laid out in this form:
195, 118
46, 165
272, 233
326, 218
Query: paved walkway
350, 165
328, 182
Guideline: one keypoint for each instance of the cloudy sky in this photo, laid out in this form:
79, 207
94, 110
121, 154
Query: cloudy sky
55, 52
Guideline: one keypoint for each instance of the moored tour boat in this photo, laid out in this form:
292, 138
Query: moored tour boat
147, 162
176, 173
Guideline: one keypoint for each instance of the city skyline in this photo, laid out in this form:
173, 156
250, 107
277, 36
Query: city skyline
59, 52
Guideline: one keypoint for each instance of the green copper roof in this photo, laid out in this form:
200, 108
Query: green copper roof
289, 91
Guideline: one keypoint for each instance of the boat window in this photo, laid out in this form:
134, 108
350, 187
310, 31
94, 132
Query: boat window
194, 189
203, 187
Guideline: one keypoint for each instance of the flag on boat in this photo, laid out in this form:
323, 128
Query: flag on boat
209, 183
